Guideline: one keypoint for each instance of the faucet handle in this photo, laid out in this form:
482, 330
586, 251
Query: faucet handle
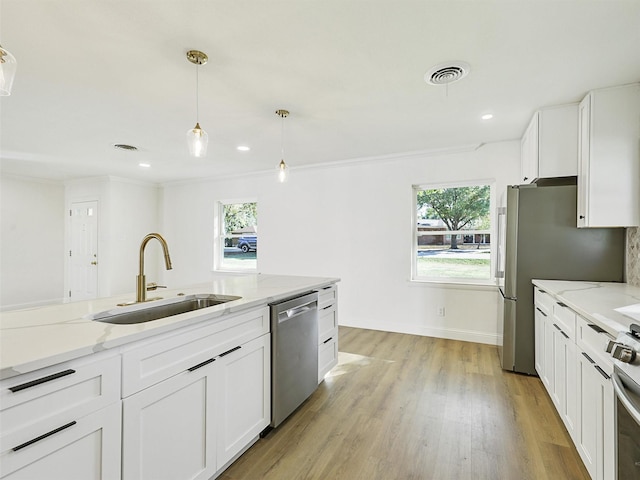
153, 286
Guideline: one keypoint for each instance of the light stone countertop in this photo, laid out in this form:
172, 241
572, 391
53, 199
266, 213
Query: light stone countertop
595, 301
39, 337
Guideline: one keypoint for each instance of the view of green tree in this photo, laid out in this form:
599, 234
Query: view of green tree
240, 215
457, 207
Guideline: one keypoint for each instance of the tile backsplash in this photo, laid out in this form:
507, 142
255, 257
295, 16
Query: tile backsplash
633, 256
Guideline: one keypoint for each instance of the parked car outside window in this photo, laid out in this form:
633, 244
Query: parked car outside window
247, 243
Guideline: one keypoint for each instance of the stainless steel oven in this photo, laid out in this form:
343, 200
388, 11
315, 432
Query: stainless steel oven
626, 385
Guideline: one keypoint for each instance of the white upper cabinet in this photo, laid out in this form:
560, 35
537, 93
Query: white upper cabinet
549, 147
609, 158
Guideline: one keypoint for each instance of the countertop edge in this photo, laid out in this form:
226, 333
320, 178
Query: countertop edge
149, 330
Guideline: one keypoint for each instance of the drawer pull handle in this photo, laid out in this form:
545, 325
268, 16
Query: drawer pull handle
48, 378
557, 327
200, 365
597, 328
231, 351
327, 307
564, 334
587, 357
42, 437
541, 311
561, 304
602, 372
328, 340
327, 287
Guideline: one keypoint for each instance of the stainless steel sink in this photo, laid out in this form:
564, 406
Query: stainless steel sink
141, 313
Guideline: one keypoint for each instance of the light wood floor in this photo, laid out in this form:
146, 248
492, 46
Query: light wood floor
409, 407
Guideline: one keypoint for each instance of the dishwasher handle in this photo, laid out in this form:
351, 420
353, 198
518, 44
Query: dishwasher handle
297, 311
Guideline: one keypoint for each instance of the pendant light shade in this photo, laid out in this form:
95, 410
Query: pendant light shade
197, 138
8, 66
283, 169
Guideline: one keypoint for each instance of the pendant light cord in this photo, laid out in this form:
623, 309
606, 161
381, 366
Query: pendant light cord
197, 96
282, 137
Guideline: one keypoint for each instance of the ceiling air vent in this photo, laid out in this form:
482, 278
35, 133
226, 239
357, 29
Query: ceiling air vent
446, 73
122, 146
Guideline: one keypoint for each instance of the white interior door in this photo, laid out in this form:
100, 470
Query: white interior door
83, 255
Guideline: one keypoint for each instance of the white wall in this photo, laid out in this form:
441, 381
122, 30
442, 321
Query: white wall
31, 242
351, 221
127, 211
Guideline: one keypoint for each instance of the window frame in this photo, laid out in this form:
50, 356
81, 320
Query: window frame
219, 236
491, 280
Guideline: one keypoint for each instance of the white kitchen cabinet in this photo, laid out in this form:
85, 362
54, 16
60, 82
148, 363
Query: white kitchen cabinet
191, 423
84, 449
244, 393
549, 146
609, 158
169, 429
62, 421
327, 330
596, 417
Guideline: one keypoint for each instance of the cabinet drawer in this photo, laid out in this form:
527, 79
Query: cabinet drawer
87, 447
565, 318
152, 361
59, 394
594, 343
327, 356
544, 301
327, 322
327, 295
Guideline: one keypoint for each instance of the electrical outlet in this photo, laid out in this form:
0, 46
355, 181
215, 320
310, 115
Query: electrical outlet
441, 311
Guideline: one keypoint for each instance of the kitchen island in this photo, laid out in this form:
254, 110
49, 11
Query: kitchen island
177, 397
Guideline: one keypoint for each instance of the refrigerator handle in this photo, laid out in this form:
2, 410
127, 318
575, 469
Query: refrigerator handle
502, 217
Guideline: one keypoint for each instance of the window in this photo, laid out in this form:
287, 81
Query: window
238, 236
452, 233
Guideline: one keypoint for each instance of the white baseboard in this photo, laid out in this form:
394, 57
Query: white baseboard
448, 333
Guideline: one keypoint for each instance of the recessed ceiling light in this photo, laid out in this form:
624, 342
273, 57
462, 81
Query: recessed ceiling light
144, 165
487, 116
243, 148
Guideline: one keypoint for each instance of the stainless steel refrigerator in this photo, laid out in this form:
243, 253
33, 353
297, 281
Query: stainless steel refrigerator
540, 240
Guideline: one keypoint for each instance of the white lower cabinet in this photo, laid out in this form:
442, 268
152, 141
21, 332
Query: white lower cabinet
327, 330
576, 373
244, 394
192, 424
86, 448
169, 428
62, 421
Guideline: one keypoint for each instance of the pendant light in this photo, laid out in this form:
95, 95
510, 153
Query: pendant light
283, 169
8, 67
197, 139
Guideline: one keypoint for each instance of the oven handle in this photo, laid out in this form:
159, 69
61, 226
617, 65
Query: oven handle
622, 396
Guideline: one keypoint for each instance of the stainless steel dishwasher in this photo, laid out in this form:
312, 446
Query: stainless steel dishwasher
294, 354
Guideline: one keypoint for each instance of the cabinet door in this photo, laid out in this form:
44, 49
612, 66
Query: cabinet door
559, 380
569, 405
584, 155
529, 151
587, 435
169, 429
86, 449
547, 377
244, 379
595, 428
540, 319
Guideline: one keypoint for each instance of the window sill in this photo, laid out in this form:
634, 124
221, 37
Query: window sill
460, 285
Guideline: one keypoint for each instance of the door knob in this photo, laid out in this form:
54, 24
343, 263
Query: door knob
94, 263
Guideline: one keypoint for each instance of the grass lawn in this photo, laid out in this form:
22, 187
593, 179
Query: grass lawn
454, 267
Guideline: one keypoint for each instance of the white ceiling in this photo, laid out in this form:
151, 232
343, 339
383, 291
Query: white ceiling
92, 73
